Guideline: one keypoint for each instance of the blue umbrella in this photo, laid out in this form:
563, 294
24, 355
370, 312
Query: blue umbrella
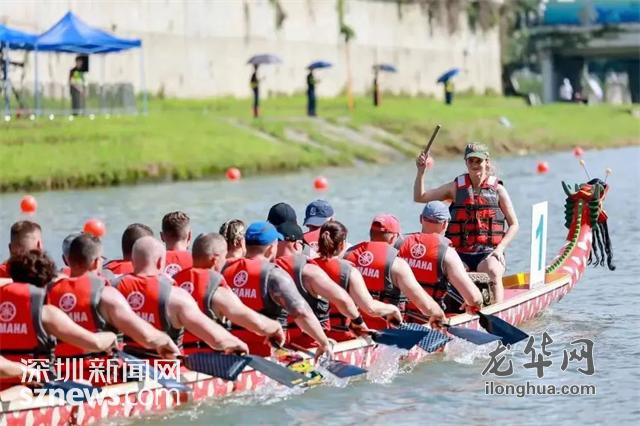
319, 64
447, 75
266, 58
385, 68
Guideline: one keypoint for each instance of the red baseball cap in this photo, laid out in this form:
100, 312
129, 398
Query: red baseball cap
386, 223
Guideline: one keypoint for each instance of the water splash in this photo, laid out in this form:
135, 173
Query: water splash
467, 353
330, 379
386, 364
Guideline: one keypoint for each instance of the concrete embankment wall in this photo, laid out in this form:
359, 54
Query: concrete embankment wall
199, 48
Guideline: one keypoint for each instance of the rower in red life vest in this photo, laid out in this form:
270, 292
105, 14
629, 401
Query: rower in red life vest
233, 232
152, 295
94, 305
269, 290
317, 288
332, 242
316, 214
387, 276
28, 327
434, 263
480, 208
214, 297
25, 236
176, 234
133, 233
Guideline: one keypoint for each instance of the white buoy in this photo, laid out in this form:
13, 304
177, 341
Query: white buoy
51, 117
32, 117
92, 116
71, 118
7, 118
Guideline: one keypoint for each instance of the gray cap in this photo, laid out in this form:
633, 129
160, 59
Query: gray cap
436, 211
66, 243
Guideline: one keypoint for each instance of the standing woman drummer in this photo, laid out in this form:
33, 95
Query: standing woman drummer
480, 208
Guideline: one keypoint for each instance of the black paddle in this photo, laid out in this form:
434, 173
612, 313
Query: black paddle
403, 339
433, 341
339, 369
506, 332
228, 367
473, 336
152, 373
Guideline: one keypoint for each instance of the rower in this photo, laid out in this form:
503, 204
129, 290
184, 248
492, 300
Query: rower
233, 232
130, 235
316, 214
176, 234
269, 290
25, 236
481, 206
332, 242
28, 327
66, 244
12, 370
93, 304
214, 297
317, 288
387, 276
152, 295
435, 264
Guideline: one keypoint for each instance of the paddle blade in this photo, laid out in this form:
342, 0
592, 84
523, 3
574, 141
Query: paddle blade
341, 369
474, 336
275, 371
433, 341
153, 374
508, 333
227, 367
71, 391
403, 339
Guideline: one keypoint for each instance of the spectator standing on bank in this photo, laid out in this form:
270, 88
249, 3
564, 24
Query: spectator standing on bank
77, 86
311, 94
255, 87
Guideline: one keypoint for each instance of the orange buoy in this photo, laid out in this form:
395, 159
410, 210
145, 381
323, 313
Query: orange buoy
28, 204
233, 173
94, 227
578, 152
543, 167
321, 183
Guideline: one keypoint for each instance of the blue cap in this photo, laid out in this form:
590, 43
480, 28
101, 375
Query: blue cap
436, 211
317, 213
261, 234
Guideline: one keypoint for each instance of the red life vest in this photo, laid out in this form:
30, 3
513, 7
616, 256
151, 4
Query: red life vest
293, 265
79, 298
202, 285
374, 260
477, 223
21, 331
149, 299
177, 260
425, 255
248, 279
4, 270
119, 266
339, 271
311, 239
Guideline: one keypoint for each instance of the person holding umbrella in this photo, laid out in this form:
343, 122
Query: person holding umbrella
254, 83
311, 85
376, 88
446, 80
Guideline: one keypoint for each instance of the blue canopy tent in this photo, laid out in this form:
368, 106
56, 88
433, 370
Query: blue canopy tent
11, 39
72, 35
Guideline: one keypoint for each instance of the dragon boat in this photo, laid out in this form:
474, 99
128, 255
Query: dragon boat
587, 243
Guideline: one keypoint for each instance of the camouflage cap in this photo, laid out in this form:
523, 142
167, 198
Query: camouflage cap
476, 150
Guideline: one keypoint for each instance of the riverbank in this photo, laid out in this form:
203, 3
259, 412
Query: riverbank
181, 140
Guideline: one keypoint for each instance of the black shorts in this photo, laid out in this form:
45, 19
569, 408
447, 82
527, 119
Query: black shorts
472, 260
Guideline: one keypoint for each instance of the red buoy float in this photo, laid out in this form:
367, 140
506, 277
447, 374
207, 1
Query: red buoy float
578, 152
94, 227
321, 183
543, 167
233, 174
28, 204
